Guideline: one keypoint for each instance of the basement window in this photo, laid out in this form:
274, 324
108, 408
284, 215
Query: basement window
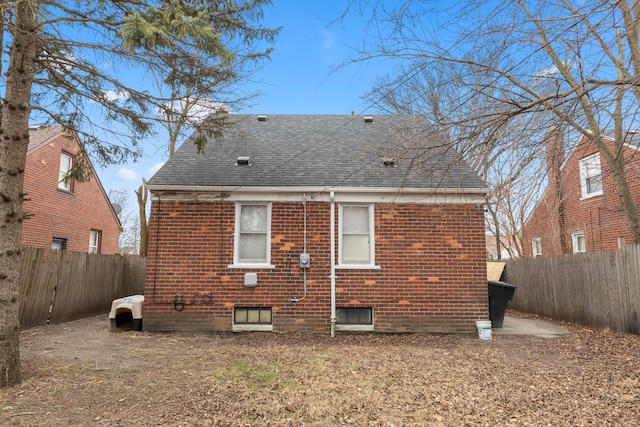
354, 319
252, 319
353, 316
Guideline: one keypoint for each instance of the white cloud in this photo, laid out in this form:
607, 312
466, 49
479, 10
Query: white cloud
199, 108
548, 72
128, 174
116, 95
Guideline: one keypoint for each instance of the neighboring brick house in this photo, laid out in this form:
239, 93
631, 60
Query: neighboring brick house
67, 215
580, 210
317, 223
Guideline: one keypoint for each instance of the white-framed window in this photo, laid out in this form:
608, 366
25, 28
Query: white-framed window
590, 176
536, 247
356, 247
252, 234
579, 242
65, 181
95, 237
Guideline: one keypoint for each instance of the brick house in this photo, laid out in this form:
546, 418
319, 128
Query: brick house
67, 215
580, 210
317, 223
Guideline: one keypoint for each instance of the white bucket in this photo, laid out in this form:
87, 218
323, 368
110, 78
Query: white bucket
484, 329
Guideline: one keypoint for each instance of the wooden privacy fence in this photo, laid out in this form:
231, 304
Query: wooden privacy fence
60, 286
595, 289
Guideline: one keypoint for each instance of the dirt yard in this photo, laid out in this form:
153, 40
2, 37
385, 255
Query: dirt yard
80, 374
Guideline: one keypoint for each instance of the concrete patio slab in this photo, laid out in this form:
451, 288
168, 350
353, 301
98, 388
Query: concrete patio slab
537, 327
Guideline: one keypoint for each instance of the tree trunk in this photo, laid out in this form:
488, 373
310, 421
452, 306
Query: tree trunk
496, 224
14, 139
143, 194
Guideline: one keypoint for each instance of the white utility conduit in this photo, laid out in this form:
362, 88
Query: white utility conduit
333, 265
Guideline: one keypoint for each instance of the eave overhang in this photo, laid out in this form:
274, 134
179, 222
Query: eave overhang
318, 193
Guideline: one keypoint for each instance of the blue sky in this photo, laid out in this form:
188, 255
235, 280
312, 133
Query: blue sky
302, 77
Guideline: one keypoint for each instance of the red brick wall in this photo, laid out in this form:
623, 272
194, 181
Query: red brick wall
600, 217
61, 214
432, 276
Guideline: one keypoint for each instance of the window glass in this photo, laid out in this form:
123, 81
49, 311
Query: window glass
579, 243
594, 184
253, 247
58, 244
355, 249
265, 316
253, 234
94, 242
253, 218
356, 233
536, 245
64, 179
252, 316
590, 176
356, 219
240, 315
354, 316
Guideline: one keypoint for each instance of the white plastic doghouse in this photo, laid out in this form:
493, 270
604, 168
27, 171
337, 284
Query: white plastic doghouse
126, 313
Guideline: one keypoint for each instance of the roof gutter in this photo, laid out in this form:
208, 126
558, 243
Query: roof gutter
313, 189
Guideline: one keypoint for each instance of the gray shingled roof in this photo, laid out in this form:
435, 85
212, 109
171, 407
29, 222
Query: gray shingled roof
631, 137
320, 150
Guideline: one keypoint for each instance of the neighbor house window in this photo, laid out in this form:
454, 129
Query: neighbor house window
58, 244
579, 243
590, 176
536, 247
356, 235
65, 181
94, 241
253, 223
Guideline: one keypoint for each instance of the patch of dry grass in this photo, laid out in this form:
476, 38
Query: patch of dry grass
81, 374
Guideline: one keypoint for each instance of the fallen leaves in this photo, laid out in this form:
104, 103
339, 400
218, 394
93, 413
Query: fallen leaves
587, 377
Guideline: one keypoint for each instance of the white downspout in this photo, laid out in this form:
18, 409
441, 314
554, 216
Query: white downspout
333, 265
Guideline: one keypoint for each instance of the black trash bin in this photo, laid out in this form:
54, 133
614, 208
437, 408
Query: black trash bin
499, 294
